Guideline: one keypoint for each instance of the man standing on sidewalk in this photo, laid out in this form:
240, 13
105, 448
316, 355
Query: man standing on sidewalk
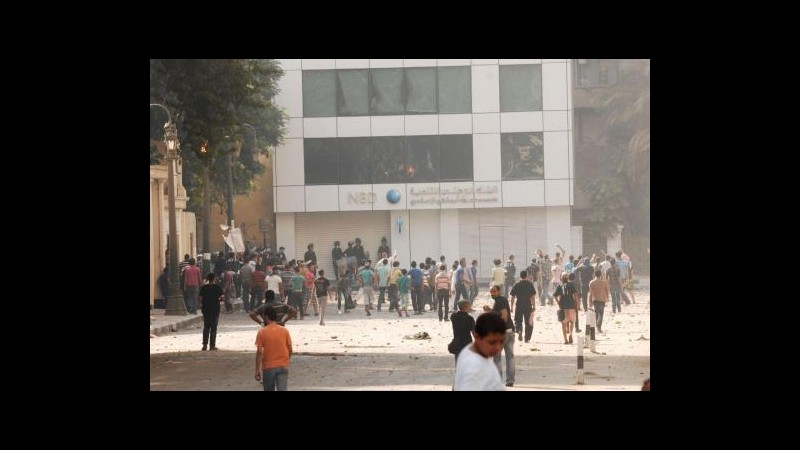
274, 349
246, 275
501, 307
191, 279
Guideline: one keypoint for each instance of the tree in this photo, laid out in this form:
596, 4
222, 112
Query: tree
619, 190
217, 104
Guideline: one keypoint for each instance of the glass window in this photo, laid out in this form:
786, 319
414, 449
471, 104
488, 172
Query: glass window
388, 160
354, 160
386, 91
321, 159
521, 88
455, 90
423, 159
353, 90
456, 157
421, 90
522, 156
319, 93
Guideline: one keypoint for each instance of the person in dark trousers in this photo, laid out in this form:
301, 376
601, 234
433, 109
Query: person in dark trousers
337, 255
284, 312
210, 297
524, 291
502, 308
310, 255
463, 326
511, 272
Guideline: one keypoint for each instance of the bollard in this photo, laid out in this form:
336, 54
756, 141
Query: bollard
580, 359
591, 324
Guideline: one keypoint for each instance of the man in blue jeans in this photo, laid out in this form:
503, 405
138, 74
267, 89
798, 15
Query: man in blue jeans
274, 348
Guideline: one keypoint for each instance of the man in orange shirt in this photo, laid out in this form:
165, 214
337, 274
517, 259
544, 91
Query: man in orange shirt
274, 348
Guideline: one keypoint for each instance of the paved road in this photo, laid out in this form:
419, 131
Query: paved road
355, 352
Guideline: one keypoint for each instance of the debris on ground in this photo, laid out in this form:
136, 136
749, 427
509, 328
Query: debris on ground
418, 336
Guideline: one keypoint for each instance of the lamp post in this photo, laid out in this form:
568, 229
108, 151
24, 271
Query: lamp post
175, 304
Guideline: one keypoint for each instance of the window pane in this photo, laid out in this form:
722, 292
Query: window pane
423, 159
421, 90
353, 92
354, 160
521, 88
522, 156
388, 160
456, 157
319, 93
321, 157
386, 91
455, 90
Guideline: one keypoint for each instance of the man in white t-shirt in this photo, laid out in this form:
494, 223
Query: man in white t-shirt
475, 369
275, 283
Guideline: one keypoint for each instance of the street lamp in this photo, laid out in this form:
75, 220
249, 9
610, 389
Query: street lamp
175, 304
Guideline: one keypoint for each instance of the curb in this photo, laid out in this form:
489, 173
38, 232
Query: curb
185, 323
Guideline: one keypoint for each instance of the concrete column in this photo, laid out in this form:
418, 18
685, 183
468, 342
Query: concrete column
448, 232
399, 225
614, 243
559, 230
153, 266
285, 234
577, 241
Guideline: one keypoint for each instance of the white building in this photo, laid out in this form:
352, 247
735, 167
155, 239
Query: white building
455, 157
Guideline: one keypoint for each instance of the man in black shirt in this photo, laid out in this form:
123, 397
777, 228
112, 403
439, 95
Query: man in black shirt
310, 255
501, 306
526, 294
337, 255
210, 297
463, 325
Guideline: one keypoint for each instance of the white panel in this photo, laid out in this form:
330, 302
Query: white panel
290, 199
419, 63
556, 192
423, 195
457, 195
556, 151
379, 63
453, 62
554, 60
387, 125
468, 239
556, 120
535, 216
519, 61
291, 93
448, 232
478, 62
353, 126
423, 228
422, 125
322, 198
352, 64
485, 89
400, 237
486, 157
290, 163
381, 190
491, 217
354, 197
319, 127
455, 124
558, 230
323, 228
554, 86
488, 194
318, 64
491, 248
294, 128
523, 193
514, 122
514, 243
289, 64
536, 233
577, 239
285, 232
486, 123
513, 217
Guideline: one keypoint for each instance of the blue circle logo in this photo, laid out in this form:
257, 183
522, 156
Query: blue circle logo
393, 196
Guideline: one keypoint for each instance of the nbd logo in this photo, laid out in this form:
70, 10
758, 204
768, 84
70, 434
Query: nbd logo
360, 197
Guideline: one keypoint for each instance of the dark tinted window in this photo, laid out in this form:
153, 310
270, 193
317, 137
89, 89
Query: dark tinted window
455, 90
522, 156
386, 91
321, 160
421, 90
423, 159
388, 160
456, 157
353, 92
319, 93
521, 88
354, 160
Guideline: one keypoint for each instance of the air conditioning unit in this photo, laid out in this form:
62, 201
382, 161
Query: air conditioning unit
583, 61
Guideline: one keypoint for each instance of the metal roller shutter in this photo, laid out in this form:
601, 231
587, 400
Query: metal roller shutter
322, 228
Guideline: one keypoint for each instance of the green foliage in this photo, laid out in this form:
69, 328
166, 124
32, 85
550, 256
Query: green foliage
217, 103
619, 193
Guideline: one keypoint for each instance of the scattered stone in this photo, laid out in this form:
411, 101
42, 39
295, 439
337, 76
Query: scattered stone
416, 357
416, 326
642, 338
333, 357
534, 349
334, 337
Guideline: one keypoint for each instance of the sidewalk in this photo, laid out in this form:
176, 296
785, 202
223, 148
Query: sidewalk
161, 324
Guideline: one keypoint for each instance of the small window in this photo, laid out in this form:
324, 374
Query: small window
321, 161
521, 88
319, 93
522, 156
386, 91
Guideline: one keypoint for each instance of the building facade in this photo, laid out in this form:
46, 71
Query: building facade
462, 158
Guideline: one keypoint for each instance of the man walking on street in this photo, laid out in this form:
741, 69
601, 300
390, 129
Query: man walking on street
501, 307
598, 295
321, 286
473, 273
474, 371
274, 349
463, 326
526, 293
